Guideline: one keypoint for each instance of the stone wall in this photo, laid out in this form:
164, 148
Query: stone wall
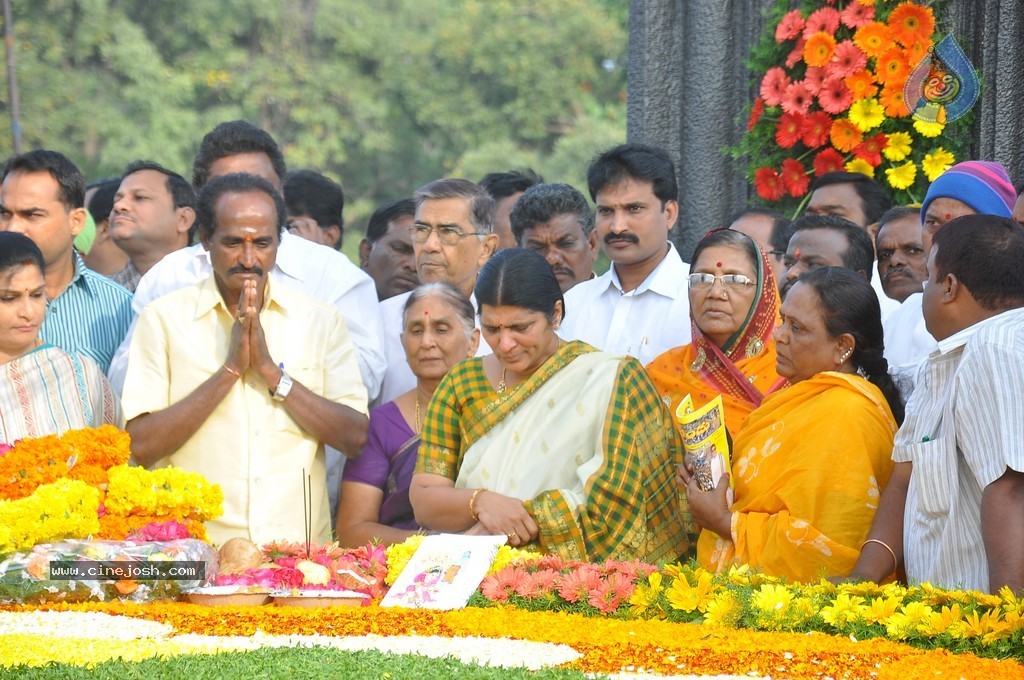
688, 86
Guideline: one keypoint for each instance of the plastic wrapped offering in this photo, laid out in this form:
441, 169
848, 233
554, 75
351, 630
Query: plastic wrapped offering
130, 571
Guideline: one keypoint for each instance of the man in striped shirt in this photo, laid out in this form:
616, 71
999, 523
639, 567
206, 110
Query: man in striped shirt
953, 511
43, 197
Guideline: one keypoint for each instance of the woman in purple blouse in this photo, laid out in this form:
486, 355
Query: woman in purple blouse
439, 332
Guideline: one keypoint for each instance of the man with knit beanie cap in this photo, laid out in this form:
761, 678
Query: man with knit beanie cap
968, 188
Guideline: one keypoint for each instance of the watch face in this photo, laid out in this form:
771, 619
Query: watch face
284, 386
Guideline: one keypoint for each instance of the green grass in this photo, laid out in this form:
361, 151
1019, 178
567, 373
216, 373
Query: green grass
295, 663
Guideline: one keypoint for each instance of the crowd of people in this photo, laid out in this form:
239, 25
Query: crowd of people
474, 374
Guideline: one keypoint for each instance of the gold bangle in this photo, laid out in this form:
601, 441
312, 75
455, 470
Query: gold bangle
231, 371
895, 562
472, 499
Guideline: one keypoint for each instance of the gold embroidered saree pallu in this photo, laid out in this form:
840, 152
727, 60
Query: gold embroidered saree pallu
583, 442
809, 467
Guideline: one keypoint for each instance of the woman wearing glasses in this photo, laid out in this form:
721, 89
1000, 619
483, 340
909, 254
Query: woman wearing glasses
734, 309
547, 442
811, 462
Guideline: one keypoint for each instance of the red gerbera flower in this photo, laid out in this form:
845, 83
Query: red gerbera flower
824, 20
755, 113
813, 79
769, 184
815, 128
787, 133
829, 160
835, 96
797, 54
870, 149
856, 15
789, 26
847, 60
794, 176
773, 85
797, 99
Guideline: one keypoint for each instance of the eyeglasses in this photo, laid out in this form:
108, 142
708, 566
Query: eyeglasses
733, 281
449, 236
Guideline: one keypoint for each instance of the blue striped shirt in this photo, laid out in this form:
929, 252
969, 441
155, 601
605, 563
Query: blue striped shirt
90, 317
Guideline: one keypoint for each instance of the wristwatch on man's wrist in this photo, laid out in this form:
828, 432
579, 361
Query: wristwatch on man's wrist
284, 386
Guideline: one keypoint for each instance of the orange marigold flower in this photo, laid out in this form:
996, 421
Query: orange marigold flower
892, 67
845, 135
874, 39
818, 49
911, 23
892, 100
861, 85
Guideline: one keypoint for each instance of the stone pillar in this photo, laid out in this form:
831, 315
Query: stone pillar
688, 86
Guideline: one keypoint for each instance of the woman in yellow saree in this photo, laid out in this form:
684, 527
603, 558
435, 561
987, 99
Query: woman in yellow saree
810, 463
548, 442
734, 309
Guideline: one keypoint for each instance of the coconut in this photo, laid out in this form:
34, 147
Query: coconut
239, 554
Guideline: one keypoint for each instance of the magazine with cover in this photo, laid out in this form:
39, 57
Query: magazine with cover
705, 441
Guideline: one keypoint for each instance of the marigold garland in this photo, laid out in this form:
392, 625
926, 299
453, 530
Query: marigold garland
164, 491
66, 508
844, 63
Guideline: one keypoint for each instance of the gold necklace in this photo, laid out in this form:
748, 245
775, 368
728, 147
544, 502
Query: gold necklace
418, 430
501, 383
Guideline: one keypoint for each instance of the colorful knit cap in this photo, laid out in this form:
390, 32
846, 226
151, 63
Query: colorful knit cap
983, 185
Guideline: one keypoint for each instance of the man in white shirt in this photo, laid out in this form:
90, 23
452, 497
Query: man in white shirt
968, 188
320, 272
452, 237
640, 306
953, 510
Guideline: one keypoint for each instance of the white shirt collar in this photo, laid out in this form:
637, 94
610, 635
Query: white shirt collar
664, 280
960, 338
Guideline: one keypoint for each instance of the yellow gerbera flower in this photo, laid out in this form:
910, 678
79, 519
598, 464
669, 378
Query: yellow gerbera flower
898, 146
860, 165
901, 176
936, 163
867, 114
926, 129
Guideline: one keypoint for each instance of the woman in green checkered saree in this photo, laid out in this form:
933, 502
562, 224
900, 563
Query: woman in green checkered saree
549, 443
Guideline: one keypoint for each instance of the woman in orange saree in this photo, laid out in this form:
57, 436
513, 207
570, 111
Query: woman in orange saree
734, 309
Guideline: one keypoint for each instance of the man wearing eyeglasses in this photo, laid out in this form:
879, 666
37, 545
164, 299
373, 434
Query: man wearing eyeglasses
452, 237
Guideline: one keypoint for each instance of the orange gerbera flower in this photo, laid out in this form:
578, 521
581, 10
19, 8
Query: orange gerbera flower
819, 48
916, 52
911, 23
892, 67
874, 39
861, 84
845, 135
892, 101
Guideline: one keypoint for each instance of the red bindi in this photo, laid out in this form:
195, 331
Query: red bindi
948, 217
718, 264
798, 253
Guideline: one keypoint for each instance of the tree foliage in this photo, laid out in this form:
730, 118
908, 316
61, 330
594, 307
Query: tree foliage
384, 96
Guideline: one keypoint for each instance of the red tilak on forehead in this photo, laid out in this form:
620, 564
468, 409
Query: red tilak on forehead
718, 264
798, 253
948, 217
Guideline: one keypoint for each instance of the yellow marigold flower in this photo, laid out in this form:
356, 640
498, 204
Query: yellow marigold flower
771, 597
867, 114
684, 597
901, 176
860, 165
164, 491
398, 555
910, 621
926, 129
936, 163
843, 610
507, 555
898, 146
724, 610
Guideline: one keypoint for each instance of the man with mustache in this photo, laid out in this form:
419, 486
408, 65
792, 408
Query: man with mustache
555, 221
153, 212
968, 188
902, 260
245, 380
640, 306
